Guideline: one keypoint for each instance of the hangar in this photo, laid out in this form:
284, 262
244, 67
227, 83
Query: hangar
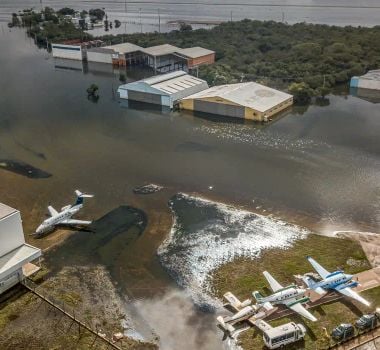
164, 90
243, 100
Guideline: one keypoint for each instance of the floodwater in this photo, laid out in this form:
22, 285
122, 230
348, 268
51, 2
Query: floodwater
143, 15
318, 162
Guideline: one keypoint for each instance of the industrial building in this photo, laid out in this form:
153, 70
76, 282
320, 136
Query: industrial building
244, 100
164, 90
74, 49
370, 81
161, 58
15, 255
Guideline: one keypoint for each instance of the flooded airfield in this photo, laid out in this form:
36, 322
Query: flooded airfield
317, 167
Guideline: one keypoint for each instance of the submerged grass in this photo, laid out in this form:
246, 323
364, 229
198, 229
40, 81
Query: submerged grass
243, 276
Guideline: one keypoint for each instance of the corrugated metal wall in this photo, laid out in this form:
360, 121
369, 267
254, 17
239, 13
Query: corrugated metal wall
219, 108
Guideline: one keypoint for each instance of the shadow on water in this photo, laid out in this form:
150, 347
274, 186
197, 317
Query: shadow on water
24, 169
104, 243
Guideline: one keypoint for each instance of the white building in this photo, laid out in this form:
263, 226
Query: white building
243, 100
164, 90
15, 255
370, 81
72, 52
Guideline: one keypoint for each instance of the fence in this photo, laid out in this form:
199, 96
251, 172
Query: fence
70, 313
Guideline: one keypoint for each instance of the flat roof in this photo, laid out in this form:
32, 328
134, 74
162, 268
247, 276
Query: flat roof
15, 259
178, 84
371, 75
6, 210
160, 50
162, 77
194, 52
252, 95
124, 47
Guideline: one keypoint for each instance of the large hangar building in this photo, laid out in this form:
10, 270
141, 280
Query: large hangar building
164, 90
244, 100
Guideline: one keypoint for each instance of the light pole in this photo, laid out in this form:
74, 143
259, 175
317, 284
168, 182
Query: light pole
159, 21
140, 20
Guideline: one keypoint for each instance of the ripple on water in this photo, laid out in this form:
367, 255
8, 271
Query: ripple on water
207, 234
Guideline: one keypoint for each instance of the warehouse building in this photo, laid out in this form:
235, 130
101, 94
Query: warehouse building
165, 90
161, 58
244, 100
370, 81
74, 49
15, 255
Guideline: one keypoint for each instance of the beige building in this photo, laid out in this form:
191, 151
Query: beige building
244, 100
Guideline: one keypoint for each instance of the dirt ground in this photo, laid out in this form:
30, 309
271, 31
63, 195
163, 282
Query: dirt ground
26, 322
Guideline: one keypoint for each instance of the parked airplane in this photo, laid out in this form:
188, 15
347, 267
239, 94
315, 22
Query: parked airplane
338, 281
244, 316
64, 216
291, 296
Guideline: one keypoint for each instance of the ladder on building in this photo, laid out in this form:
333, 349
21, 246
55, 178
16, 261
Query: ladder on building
32, 287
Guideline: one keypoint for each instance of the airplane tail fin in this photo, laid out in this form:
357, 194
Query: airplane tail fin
80, 197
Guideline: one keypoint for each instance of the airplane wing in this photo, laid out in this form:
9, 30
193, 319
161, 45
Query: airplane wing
302, 311
52, 211
321, 270
350, 293
273, 283
75, 222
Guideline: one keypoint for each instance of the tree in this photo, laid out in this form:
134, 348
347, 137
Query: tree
301, 92
66, 11
97, 14
83, 14
185, 27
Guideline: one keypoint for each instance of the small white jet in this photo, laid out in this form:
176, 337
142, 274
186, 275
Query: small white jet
291, 296
338, 281
64, 216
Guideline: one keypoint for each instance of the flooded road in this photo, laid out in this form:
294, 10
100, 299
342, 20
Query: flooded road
321, 164
143, 15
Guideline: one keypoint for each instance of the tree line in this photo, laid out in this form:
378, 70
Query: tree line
306, 59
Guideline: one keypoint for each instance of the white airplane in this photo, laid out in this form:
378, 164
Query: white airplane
338, 281
244, 316
291, 296
64, 216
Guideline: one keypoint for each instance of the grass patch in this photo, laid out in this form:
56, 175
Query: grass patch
243, 276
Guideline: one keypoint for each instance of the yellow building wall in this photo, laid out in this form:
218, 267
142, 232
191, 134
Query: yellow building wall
187, 104
249, 113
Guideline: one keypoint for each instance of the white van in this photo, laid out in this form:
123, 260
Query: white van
276, 337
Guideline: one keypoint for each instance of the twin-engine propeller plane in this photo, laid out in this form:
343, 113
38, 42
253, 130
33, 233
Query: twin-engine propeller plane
336, 281
291, 296
244, 315
64, 216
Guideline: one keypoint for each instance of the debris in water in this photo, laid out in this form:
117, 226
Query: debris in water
24, 169
147, 189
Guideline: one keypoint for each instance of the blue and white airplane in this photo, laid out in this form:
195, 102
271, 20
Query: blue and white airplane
64, 216
338, 281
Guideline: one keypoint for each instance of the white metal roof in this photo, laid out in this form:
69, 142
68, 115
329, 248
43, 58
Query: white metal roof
177, 84
372, 75
17, 258
5, 210
252, 95
160, 50
124, 48
194, 52
162, 77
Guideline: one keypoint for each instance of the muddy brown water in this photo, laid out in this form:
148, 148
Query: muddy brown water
319, 162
